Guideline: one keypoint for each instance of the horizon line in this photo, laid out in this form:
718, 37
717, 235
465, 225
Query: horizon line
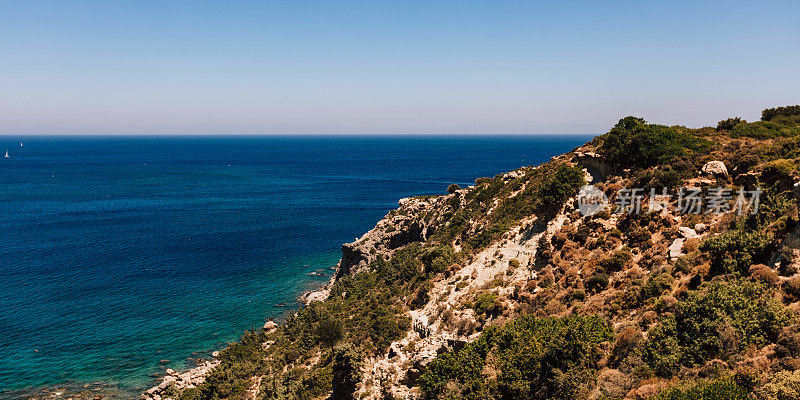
7, 135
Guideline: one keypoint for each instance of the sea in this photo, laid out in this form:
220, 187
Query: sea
123, 256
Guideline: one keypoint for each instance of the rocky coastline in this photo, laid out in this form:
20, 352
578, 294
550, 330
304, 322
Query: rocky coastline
174, 381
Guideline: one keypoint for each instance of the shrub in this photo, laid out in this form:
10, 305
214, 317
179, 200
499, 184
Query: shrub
784, 385
453, 188
330, 330
789, 341
628, 340
617, 261
662, 177
773, 113
404, 266
705, 390
655, 286
485, 303
729, 123
346, 370
533, 358
763, 130
791, 287
557, 187
437, 259
777, 171
723, 318
597, 282
736, 250
763, 274
387, 326
634, 143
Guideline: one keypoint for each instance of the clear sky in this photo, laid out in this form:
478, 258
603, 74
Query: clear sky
194, 67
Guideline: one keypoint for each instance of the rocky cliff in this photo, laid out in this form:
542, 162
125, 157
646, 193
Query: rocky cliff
686, 284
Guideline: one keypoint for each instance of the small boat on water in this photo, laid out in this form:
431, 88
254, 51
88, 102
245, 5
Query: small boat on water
6, 153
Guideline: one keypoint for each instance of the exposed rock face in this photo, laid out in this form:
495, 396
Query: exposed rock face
715, 169
395, 230
176, 381
676, 249
688, 233
594, 163
270, 326
432, 333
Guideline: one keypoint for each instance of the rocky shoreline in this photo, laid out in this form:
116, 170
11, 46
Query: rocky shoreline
174, 381
70, 391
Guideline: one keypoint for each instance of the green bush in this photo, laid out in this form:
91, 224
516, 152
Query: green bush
729, 124
736, 250
665, 176
634, 143
438, 258
346, 369
557, 187
720, 320
597, 282
453, 188
655, 286
763, 130
705, 390
778, 170
534, 358
404, 266
330, 330
784, 385
386, 326
617, 261
774, 113
485, 303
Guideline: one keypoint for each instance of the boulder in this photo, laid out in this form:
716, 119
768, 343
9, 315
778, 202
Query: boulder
270, 326
676, 249
716, 169
687, 233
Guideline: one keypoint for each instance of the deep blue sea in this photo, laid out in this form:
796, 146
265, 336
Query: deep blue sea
120, 253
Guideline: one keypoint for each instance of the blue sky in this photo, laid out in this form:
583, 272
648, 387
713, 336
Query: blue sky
192, 67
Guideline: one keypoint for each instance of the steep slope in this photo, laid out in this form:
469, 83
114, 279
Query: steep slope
506, 289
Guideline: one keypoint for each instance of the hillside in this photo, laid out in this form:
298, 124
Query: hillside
518, 288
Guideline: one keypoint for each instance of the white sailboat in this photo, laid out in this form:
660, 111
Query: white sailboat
6, 153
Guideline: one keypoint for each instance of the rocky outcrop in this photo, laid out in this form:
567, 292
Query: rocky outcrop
174, 382
594, 163
715, 169
398, 228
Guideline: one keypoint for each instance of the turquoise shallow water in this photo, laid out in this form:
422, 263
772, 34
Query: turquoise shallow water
117, 254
